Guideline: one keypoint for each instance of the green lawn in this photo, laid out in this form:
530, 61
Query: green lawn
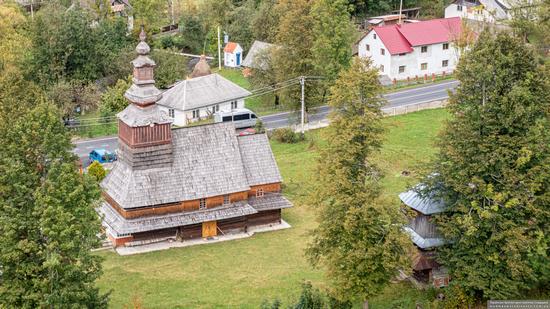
260, 105
244, 272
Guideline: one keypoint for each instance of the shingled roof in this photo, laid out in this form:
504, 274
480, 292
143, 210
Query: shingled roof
208, 161
259, 162
202, 92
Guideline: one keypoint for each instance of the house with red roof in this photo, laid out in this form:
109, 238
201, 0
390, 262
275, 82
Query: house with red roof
413, 49
232, 55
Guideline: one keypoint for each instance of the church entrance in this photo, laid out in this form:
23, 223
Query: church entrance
209, 229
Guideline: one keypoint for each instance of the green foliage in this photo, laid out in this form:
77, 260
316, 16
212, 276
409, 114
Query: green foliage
66, 45
113, 100
68, 95
294, 57
240, 29
333, 33
259, 127
47, 223
276, 304
265, 21
192, 34
311, 298
286, 135
493, 170
359, 238
170, 67
97, 171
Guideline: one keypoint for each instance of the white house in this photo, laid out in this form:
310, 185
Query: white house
201, 96
480, 10
232, 55
413, 49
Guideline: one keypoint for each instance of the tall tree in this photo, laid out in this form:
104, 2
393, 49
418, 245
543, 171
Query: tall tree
265, 20
333, 36
294, 58
47, 222
493, 170
359, 237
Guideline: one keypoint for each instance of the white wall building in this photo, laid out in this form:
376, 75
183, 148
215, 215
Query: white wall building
232, 55
413, 49
202, 95
480, 10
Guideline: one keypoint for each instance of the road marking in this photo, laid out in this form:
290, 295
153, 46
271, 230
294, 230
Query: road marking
417, 95
104, 145
89, 147
415, 103
420, 88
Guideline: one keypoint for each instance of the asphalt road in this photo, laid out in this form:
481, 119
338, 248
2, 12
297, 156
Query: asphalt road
394, 99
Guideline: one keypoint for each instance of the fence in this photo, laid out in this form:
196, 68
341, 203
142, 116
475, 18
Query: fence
388, 112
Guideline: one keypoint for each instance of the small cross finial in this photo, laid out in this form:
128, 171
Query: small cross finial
142, 35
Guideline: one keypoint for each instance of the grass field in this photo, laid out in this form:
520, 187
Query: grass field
242, 273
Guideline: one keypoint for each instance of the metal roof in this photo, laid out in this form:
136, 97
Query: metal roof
425, 205
424, 243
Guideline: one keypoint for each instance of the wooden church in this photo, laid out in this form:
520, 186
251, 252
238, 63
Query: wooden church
184, 183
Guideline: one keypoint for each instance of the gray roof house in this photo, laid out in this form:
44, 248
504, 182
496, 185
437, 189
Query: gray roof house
251, 60
200, 92
184, 183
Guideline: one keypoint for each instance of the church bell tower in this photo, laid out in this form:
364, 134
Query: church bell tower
144, 130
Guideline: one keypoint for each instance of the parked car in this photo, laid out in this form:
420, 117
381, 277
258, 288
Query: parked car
242, 118
102, 156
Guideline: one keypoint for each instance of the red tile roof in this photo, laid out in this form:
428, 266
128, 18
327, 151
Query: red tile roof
400, 39
230, 47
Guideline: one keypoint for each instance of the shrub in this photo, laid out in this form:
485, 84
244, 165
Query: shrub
259, 127
97, 171
286, 135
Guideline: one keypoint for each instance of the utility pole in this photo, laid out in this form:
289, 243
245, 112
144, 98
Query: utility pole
302, 83
32, 10
219, 51
400, 9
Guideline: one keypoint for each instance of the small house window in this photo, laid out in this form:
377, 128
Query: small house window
402, 54
260, 192
374, 36
401, 69
226, 199
382, 67
424, 49
382, 51
445, 46
459, 8
171, 112
196, 113
368, 47
445, 63
424, 66
233, 104
202, 203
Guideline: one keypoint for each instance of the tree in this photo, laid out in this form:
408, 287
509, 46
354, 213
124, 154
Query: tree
359, 237
333, 36
13, 38
294, 58
493, 170
97, 171
239, 27
170, 67
47, 222
70, 96
113, 100
264, 23
67, 45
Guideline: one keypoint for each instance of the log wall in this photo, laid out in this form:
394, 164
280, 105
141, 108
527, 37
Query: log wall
146, 136
264, 217
270, 187
183, 206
